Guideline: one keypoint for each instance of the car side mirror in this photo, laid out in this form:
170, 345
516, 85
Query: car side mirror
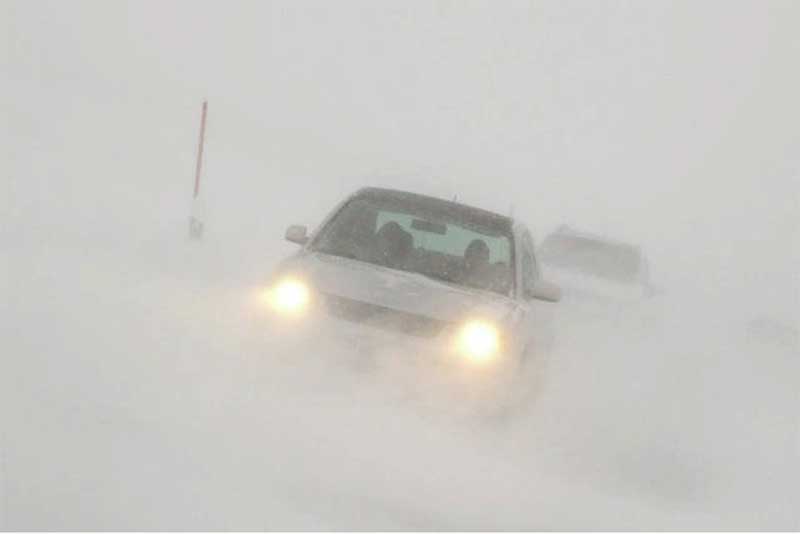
543, 290
297, 233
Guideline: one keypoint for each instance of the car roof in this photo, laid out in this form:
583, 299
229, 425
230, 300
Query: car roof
430, 202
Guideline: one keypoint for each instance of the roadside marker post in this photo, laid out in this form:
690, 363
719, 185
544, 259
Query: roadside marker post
195, 221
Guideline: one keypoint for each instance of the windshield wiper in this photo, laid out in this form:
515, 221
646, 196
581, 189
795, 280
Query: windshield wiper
437, 277
339, 253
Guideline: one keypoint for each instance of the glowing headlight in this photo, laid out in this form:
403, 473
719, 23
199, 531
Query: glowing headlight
479, 341
289, 297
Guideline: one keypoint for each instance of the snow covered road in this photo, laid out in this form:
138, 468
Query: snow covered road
164, 405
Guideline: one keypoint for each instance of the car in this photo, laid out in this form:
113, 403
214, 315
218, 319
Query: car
596, 266
437, 279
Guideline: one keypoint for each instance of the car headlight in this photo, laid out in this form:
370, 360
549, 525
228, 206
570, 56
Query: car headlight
479, 341
289, 296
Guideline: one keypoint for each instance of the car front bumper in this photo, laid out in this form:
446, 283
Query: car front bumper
330, 337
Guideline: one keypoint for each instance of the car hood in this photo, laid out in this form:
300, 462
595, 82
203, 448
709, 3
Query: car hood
399, 290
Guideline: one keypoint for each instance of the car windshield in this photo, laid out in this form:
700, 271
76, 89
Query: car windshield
438, 239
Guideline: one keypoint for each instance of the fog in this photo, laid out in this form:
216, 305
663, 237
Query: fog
144, 388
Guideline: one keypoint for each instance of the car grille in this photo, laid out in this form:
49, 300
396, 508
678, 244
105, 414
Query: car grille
382, 317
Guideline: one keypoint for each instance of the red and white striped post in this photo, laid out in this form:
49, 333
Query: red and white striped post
195, 222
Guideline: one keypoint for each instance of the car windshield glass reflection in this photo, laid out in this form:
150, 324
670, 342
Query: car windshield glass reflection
444, 241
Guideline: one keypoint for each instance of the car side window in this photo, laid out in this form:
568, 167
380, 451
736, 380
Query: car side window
530, 271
